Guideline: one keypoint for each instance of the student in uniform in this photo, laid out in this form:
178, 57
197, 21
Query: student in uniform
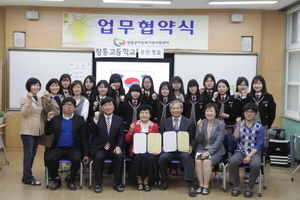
178, 89
165, 96
82, 104
149, 95
228, 110
209, 86
129, 105
266, 104
89, 84
194, 102
116, 84
65, 82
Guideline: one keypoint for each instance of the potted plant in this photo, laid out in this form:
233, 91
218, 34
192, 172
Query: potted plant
2, 116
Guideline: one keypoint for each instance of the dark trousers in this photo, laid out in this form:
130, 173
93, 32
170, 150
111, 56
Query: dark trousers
54, 155
30, 144
99, 158
186, 161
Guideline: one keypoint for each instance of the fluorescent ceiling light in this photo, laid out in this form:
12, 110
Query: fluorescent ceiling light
137, 1
240, 2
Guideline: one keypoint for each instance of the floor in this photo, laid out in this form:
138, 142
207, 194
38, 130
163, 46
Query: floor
279, 185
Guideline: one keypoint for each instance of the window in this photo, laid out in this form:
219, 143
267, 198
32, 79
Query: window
292, 67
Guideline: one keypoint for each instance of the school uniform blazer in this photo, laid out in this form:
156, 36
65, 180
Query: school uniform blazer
126, 111
230, 108
199, 108
267, 109
239, 105
101, 137
158, 109
79, 132
216, 138
32, 116
153, 128
50, 105
185, 125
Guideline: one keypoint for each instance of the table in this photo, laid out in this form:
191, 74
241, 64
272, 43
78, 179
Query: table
2, 145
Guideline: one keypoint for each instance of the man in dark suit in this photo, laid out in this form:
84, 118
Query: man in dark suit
107, 143
178, 123
70, 142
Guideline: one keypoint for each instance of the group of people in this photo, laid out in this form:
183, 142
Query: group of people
83, 121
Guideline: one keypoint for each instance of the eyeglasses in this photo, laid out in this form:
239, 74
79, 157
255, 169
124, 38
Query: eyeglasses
69, 105
249, 112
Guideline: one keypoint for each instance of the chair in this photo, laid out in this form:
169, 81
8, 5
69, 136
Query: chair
295, 141
106, 161
247, 166
64, 161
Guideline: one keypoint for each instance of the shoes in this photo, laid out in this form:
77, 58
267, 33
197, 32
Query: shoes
192, 192
173, 172
67, 167
119, 187
216, 177
248, 194
164, 185
205, 191
140, 186
247, 175
56, 184
179, 172
246, 181
32, 182
71, 185
98, 188
104, 174
60, 169
147, 188
199, 190
235, 193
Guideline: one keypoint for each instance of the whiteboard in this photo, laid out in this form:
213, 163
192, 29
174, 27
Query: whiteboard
227, 66
41, 64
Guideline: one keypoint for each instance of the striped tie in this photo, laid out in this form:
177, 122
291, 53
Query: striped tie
106, 147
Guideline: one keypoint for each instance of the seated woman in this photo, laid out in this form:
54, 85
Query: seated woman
209, 136
143, 165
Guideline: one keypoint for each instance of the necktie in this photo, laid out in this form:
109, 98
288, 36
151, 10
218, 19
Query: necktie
176, 124
193, 99
87, 94
117, 92
165, 101
101, 99
257, 97
134, 103
222, 99
209, 93
106, 147
147, 95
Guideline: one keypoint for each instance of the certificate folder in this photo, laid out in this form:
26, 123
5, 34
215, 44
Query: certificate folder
146, 143
176, 141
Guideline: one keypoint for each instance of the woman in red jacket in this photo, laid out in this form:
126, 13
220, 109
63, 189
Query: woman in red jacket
143, 165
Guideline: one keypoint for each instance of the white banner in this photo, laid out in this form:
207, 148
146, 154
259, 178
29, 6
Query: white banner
105, 52
151, 53
166, 31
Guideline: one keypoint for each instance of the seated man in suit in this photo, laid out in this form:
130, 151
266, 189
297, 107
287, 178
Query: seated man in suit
107, 143
70, 142
249, 135
178, 123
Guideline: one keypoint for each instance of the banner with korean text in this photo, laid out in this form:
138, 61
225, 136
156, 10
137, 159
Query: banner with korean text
166, 31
